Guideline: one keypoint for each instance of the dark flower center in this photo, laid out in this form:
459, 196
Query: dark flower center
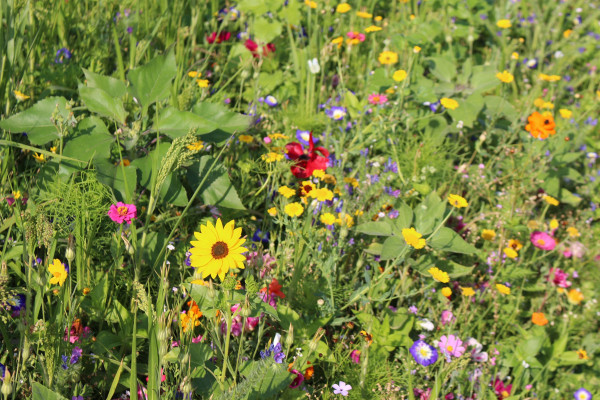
219, 250
546, 121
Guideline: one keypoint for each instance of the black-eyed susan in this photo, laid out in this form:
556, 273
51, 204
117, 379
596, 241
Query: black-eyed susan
217, 249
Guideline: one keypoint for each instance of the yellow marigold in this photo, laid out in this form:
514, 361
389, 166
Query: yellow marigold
196, 146
363, 14
351, 181
338, 40
416, 49
503, 24
514, 55
399, 75
573, 232
345, 219
450, 104
505, 76
372, 28
321, 194
582, 354
318, 173
306, 187
286, 191
565, 113
272, 157
246, 138
567, 33
551, 200
310, 3
388, 57
277, 135
488, 234
510, 253
327, 178
553, 223
467, 291
20, 95
549, 78
575, 296
294, 209
457, 201
538, 318
412, 17
327, 219
503, 288
446, 291
343, 8
378, 18
203, 83
439, 275
515, 244
272, 211
413, 238
194, 74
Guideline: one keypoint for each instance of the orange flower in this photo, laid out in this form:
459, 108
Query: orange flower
310, 371
538, 318
541, 126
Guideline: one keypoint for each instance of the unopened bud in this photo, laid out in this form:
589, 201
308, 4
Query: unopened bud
70, 253
6, 385
128, 245
289, 339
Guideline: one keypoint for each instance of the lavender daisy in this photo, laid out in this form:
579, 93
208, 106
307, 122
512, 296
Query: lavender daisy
582, 394
336, 113
423, 353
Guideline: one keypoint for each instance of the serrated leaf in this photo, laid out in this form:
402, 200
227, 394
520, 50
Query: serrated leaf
112, 86
152, 82
98, 101
35, 121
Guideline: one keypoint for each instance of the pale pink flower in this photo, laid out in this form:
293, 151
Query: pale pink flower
451, 346
542, 240
447, 317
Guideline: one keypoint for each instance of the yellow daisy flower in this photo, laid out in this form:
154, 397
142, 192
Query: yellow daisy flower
467, 291
294, 209
388, 57
327, 219
286, 191
58, 271
503, 288
413, 238
457, 201
439, 275
450, 104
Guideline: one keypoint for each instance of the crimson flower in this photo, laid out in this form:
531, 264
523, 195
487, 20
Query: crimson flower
223, 37
502, 391
307, 161
253, 47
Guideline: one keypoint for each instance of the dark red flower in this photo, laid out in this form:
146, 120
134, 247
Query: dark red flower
297, 380
253, 47
306, 161
223, 37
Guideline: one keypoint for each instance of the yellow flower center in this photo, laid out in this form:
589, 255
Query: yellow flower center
450, 349
541, 242
219, 250
424, 352
122, 210
505, 394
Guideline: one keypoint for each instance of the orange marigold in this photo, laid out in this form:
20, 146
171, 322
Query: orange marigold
538, 318
541, 126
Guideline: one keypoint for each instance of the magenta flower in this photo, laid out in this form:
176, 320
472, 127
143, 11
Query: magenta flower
559, 278
297, 380
451, 346
542, 240
122, 212
447, 317
355, 356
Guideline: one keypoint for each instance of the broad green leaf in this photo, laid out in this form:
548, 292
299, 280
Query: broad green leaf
291, 13
98, 101
447, 239
90, 140
484, 79
199, 354
173, 192
217, 188
429, 213
442, 68
122, 180
36, 122
468, 110
110, 85
376, 228
224, 119
392, 247
152, 82
499, 105
41, 392
177, 123
265, 30
453, 269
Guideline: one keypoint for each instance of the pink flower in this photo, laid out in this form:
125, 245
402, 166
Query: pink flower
502, 391
447, 317
355, 356
559, 277
356, 37
297, 380
542, 240
122, 212
451, 346
197, 339
378, 98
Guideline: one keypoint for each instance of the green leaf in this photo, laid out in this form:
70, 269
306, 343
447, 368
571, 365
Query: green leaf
484, 79
98, 101
152, 82
225, 119
173, 192
217, 188
447, 239
265, 30
376, 228
115, 176
177, 123
110, 85
392, 247
468, 110
91, 139
442, 68
35, 121
41, 392
429, 213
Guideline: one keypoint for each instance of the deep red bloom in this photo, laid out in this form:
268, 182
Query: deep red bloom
253, 47
501, 390
275, 289
307, 162
223, 37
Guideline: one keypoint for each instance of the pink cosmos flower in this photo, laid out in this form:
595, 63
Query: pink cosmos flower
447, 317
378, 98
542, 240
122, 212
574, 249
451, 346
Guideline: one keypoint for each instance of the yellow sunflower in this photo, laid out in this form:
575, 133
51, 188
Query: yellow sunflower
218, 249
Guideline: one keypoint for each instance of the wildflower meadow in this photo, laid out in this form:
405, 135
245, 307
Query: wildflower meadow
298, 199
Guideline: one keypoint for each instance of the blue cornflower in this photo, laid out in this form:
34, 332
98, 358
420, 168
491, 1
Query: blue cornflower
62, 55
65, 361
260, 236
423, 353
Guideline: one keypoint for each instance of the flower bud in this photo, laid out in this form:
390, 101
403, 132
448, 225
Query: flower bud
6, 385
289, 339
70, 253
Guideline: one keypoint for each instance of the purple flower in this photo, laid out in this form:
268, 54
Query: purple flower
423, 353
341, 388
582, 394
336, 113
75, 354
62, 55
271, 101
65, 360
304, 137
413, 309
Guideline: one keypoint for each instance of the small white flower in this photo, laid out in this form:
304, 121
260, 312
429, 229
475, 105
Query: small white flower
558, 54
426, 324
313, 66
170, 247
525, 364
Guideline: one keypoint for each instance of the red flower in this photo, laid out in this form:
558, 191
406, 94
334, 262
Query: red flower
253, 47
223, 37
306, 162
501, 390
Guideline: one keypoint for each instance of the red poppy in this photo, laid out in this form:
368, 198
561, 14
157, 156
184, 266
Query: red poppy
275, 289
223, 37
253, 47
307, 162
